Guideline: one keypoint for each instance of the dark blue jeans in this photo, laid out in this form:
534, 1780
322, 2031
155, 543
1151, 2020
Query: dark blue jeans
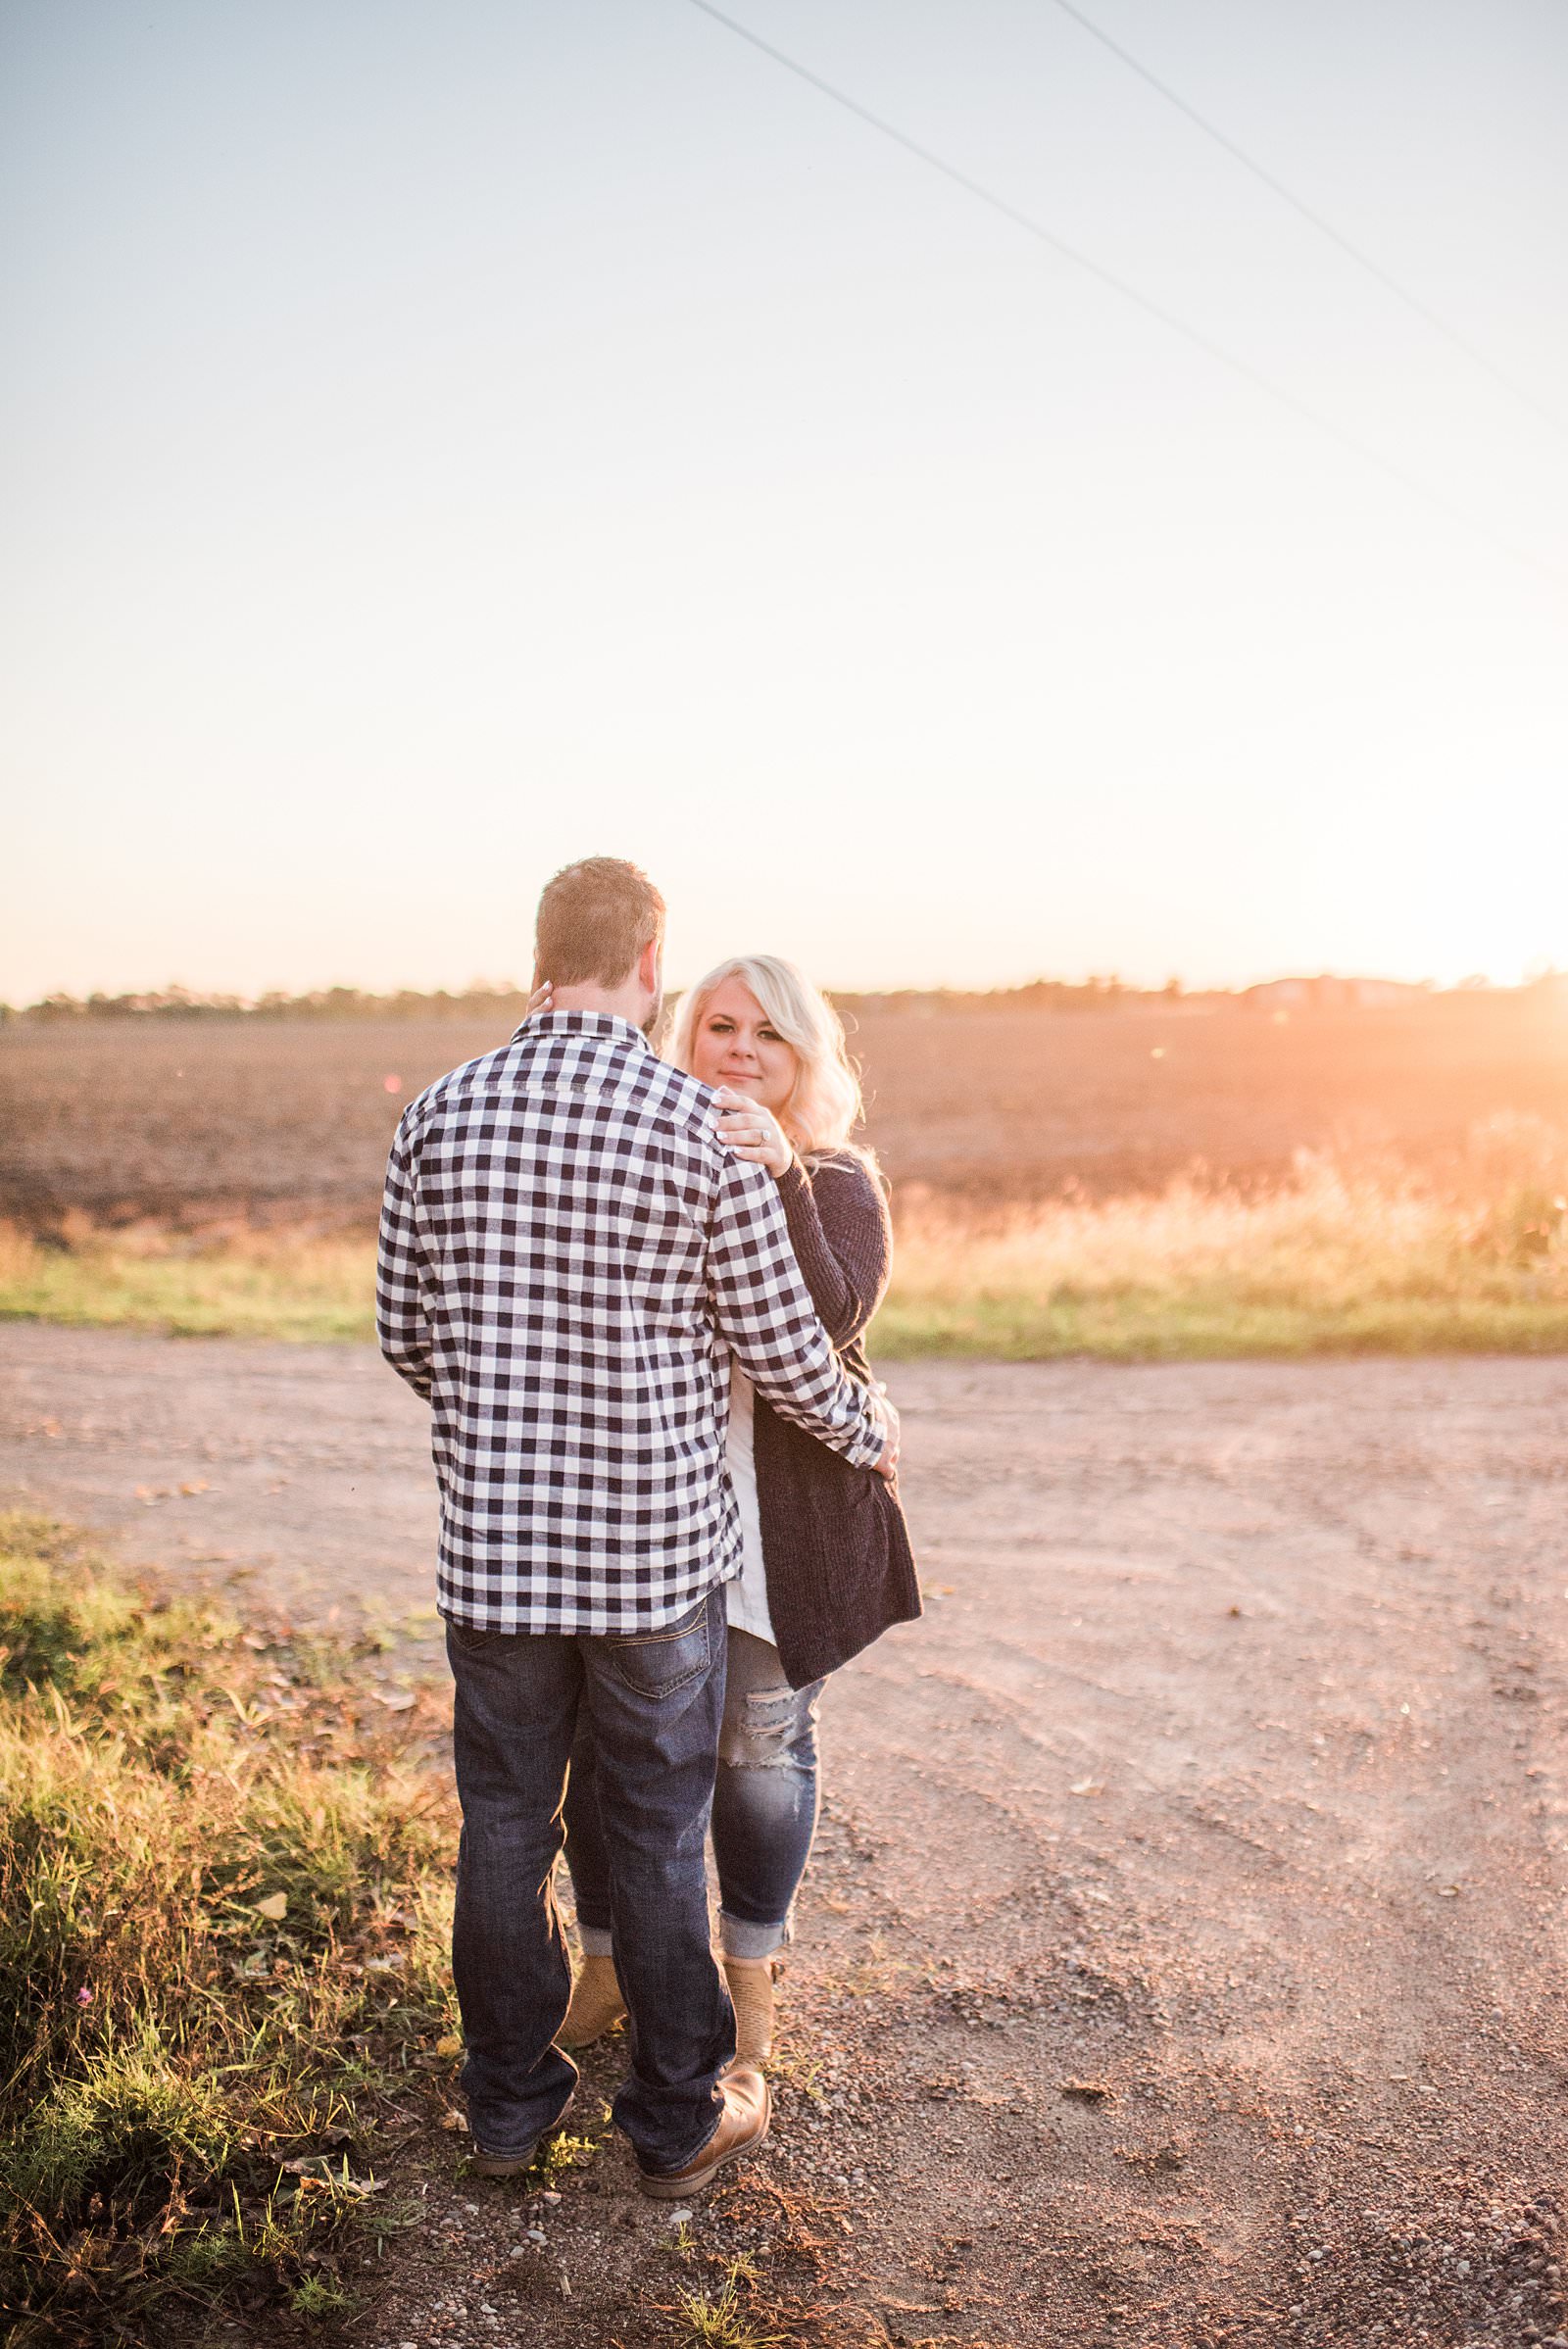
765, 1808
654, 1701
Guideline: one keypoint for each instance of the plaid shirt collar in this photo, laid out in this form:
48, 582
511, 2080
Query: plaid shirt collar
579, 1023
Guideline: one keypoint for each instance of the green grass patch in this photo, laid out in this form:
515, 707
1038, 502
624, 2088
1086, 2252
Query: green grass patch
1151, 1326
223, 1922
251, 1284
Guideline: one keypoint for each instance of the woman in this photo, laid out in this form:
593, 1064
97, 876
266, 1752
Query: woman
826, 1560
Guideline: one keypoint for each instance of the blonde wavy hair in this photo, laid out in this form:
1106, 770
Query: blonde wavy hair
824, 1104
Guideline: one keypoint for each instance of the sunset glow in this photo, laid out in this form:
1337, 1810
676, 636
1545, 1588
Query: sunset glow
448, 443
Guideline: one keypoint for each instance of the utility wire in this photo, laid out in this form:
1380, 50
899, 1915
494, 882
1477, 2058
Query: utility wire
1364, 260
1166, 317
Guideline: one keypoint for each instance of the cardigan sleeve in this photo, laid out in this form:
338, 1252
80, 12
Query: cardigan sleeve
838, 1222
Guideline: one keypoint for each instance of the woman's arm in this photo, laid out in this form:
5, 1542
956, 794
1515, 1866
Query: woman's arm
839, 1231
837, 1215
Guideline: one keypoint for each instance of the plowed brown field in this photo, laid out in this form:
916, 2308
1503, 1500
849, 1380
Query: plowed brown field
280, 1121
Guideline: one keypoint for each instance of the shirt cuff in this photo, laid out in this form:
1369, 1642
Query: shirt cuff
868, 1452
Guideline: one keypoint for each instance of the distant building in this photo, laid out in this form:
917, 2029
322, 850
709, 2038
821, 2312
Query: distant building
1329, 993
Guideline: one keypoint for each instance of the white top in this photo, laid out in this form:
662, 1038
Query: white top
746, 1597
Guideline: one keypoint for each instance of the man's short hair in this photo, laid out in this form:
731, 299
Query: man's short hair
595, 918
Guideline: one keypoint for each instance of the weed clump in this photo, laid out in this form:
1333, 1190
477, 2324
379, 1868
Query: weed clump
223, 1907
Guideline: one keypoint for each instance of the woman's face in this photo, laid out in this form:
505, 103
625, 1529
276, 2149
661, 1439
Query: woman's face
736, 1043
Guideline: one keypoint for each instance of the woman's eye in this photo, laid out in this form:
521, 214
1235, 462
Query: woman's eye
770, 1034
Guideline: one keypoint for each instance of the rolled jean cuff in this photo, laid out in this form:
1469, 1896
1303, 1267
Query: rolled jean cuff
596, 1940
738, 1937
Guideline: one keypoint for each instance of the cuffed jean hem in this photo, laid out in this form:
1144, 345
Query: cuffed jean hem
649, 2170
739, 1937
512, 2153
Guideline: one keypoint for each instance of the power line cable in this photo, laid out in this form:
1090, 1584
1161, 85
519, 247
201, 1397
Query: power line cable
1336, 236
1151, 308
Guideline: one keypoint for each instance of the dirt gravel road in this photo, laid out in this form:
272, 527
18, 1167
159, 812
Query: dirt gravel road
1185, 1960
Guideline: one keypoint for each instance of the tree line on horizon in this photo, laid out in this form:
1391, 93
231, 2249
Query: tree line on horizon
505, 999
483, 1000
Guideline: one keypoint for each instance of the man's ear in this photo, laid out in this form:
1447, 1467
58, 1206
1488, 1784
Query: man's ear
648, 967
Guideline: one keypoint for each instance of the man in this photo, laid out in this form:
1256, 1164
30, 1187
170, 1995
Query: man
568, 1259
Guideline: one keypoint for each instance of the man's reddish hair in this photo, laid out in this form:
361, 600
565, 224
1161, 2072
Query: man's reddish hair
595, 918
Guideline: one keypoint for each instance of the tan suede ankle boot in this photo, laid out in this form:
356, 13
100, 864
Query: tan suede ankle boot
597, 2004
751, 1989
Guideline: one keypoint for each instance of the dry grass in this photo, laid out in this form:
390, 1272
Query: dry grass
1339, 1259
223, 1936
1346, 1255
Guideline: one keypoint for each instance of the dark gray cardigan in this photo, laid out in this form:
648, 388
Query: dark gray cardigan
835, 1548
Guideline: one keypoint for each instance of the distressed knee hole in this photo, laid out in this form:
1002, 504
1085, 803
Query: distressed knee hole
763, 1734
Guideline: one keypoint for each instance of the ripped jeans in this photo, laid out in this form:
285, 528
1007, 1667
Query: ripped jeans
765, 1808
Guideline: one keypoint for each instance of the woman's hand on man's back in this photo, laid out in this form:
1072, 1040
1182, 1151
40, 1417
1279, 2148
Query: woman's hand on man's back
888, 1465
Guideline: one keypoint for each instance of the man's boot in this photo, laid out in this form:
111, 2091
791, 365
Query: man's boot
742, 2127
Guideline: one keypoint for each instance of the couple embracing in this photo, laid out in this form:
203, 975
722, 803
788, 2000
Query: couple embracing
632, 1291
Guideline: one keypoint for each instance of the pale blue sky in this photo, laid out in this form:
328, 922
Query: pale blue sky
440, 441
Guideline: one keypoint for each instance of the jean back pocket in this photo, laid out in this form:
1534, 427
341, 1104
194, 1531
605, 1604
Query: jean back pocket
658, 1663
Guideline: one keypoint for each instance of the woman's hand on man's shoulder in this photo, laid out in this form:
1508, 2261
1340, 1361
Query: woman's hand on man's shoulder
751, 1132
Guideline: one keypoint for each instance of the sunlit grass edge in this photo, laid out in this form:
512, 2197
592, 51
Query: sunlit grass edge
247, 1285
1339, 1260
1149, 1327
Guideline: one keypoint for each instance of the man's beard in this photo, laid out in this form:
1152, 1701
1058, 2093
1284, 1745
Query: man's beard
654, 1020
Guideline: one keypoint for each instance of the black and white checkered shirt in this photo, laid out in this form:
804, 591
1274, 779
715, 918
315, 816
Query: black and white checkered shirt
568, 1259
